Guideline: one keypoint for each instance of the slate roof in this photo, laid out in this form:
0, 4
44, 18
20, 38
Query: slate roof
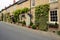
18, 2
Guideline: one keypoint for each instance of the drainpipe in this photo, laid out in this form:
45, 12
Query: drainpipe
2, 16
30, 10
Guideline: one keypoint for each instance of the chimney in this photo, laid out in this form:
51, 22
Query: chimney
14, 1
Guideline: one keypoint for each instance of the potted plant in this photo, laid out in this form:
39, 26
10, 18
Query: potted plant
55, 25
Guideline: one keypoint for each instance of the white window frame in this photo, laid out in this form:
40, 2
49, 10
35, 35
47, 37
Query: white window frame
52, 1
50, 16
33, 2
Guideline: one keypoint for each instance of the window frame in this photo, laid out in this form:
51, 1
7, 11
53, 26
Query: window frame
53, 16
52, 1
33, 3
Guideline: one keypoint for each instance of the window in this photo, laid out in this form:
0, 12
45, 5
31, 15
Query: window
33, 2
53, 15
20, 1
52, 1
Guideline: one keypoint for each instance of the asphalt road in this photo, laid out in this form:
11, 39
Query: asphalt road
13, 32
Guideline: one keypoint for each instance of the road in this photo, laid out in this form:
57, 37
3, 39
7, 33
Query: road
14, 32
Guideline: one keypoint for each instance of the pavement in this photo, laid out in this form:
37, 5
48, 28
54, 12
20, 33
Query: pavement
14, 32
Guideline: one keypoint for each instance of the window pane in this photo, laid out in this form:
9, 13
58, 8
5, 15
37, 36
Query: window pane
53, 15
52, 1
33, 2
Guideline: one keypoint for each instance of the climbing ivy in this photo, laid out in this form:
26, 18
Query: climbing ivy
25, 10
41, 16
18, 12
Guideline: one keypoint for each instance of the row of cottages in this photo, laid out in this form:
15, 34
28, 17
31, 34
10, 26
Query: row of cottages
54, 12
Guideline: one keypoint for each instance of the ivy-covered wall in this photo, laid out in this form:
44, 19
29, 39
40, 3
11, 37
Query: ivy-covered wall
41, 16
18, 12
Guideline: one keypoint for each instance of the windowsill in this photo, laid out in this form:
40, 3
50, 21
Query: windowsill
32, 6
52, 22
53, 25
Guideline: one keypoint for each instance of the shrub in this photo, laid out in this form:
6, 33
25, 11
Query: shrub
31, 23
23, 23
16, 15
33, 27
25, 10
58, 32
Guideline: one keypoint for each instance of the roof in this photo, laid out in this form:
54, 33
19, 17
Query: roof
18, 2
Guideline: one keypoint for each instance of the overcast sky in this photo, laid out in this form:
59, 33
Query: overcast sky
5, 3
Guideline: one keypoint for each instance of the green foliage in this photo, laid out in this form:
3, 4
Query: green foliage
25, 10
31, 23
33, 27
41, 16
53, 25
24, 23
18, 12
58, 32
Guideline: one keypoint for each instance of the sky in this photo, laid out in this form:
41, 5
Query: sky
5, 3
